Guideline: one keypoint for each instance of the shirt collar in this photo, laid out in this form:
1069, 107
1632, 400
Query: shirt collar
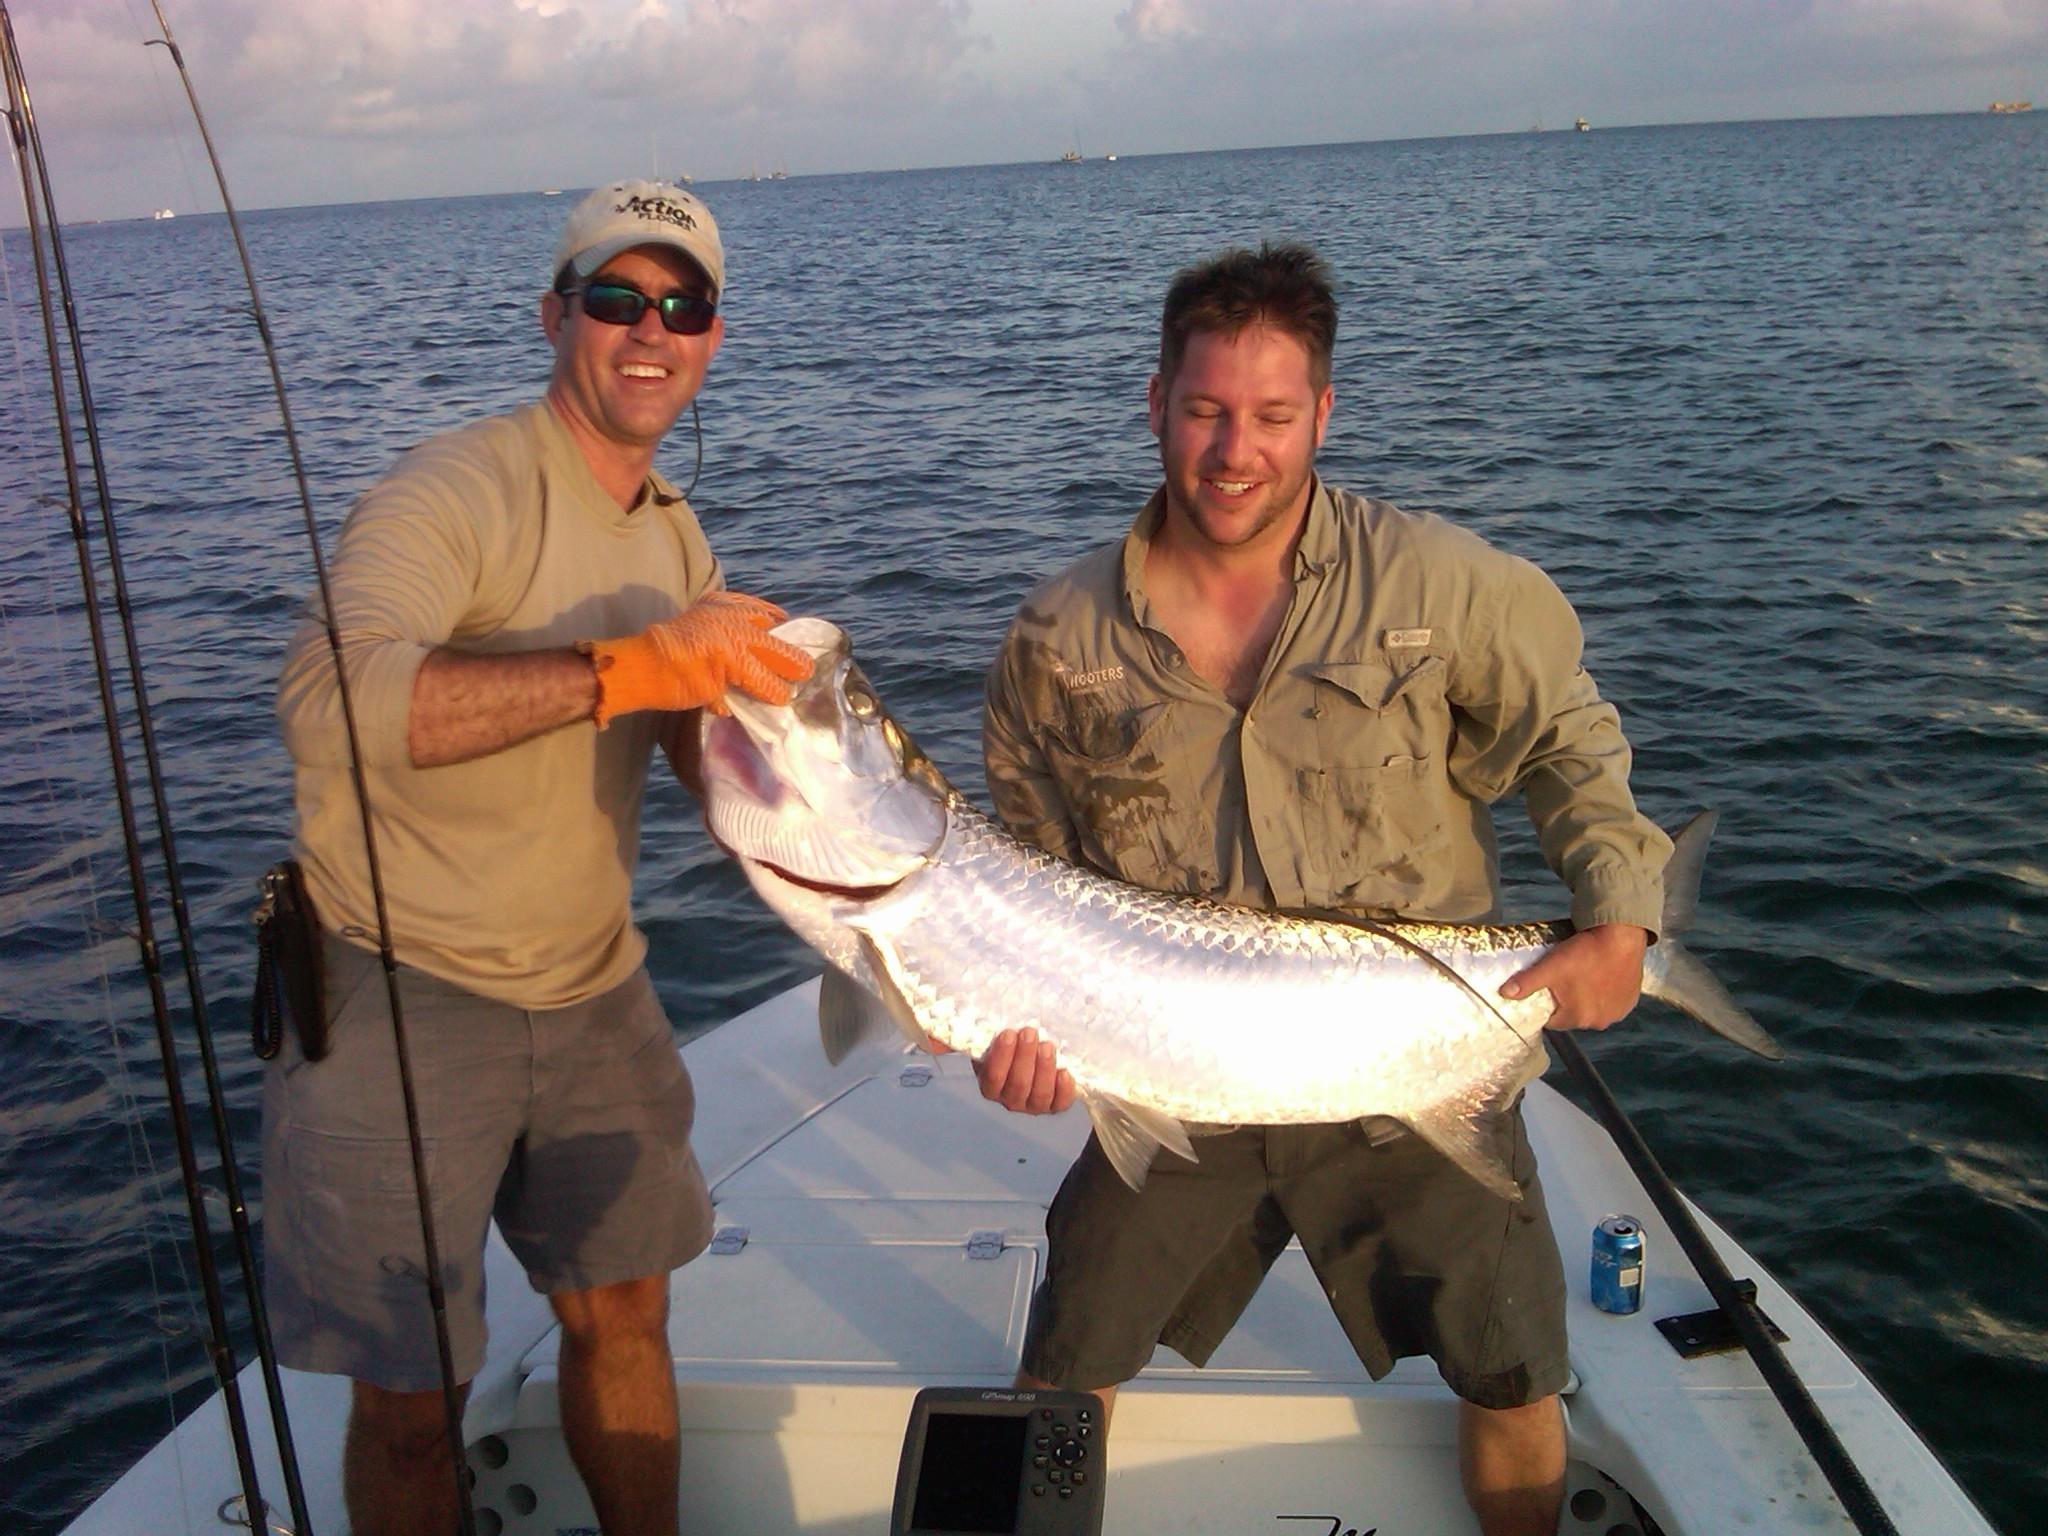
1318, 549
1136, 543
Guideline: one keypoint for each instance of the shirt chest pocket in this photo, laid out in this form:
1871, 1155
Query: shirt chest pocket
1130, 795
1378, 791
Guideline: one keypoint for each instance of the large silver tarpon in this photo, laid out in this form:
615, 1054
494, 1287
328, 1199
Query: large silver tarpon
1169, 1011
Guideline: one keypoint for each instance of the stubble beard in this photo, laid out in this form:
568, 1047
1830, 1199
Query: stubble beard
1281, 504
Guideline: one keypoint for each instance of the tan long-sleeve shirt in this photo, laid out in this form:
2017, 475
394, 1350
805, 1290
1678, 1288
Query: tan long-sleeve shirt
510, 874
1418, 676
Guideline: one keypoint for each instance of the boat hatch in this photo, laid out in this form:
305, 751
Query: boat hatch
916, 1129
867, 1287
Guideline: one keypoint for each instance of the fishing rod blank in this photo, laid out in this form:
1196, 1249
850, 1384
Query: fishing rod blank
216, 1096
28, 149
437, 1303
1836, 1465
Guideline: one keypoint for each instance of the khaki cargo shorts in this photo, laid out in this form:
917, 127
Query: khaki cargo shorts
571, 1126
1416, 1256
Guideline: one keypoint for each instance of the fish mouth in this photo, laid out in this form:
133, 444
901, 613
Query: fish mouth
850, 893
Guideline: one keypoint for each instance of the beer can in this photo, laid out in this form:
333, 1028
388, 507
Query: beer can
1618, 1264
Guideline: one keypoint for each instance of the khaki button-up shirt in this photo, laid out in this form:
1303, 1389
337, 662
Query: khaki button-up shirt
1418, 676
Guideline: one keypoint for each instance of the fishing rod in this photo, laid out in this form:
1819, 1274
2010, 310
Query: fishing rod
437, 1302
36, 195
1736, 1304
216, 1096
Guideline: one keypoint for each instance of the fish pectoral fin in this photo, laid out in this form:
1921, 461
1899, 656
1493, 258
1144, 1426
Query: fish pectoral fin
1132, 1134
849, 1015
889, 995
1480, 1141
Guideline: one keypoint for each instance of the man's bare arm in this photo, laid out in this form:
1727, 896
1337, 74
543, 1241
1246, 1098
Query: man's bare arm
466, 706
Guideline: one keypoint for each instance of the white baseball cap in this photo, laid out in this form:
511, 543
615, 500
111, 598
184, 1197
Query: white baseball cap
618, 217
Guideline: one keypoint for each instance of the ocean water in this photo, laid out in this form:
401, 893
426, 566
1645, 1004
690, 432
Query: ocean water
1769, 401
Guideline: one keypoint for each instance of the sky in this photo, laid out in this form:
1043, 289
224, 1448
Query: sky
327, 101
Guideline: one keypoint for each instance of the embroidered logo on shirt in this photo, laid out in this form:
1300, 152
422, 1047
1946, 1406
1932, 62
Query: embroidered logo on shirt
1088, 682
1401, 639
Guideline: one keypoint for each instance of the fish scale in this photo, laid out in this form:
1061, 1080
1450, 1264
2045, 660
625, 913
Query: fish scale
1166, 1010
1205, 1011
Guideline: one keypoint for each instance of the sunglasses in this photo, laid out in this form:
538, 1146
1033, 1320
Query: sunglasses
683, 314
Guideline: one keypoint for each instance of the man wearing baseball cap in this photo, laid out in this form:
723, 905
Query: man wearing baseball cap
526, 610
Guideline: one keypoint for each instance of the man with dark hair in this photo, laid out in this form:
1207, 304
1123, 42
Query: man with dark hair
527, 610
1277, 693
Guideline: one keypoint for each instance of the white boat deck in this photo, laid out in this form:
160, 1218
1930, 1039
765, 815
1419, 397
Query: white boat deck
893, 1231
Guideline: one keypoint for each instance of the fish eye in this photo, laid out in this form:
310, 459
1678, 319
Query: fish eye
863, 704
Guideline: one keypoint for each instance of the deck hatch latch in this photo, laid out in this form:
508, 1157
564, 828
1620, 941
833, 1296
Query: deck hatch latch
916, 1075
728, 1240
984, 1245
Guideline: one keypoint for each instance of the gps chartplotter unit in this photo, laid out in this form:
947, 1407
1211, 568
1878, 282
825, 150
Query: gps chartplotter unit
983, 1462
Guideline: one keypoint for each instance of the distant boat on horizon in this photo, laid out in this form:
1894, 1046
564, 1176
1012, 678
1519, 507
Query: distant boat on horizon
163, 213
2012, 106
550, 191
1580, 125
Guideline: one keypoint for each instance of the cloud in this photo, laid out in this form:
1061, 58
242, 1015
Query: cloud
411, 97
1245, 72
341, 100
1932, 30
782, 55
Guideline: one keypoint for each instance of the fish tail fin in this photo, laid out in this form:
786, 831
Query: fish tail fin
1673, 974
1682, 873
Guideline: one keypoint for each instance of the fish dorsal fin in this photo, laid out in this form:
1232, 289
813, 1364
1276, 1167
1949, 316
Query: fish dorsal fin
1132, 1134
1436, 962
890, 995
849, 1015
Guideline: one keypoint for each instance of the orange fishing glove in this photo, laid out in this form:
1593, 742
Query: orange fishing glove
691, 659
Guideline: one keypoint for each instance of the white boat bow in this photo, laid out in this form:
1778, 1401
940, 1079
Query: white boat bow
881, 1229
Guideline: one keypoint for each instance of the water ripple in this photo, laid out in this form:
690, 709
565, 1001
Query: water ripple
1769, 401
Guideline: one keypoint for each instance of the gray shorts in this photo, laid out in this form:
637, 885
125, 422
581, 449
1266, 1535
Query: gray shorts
1417, 1257
570, 1125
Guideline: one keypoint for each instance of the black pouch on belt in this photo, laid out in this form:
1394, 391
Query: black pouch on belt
290, 980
